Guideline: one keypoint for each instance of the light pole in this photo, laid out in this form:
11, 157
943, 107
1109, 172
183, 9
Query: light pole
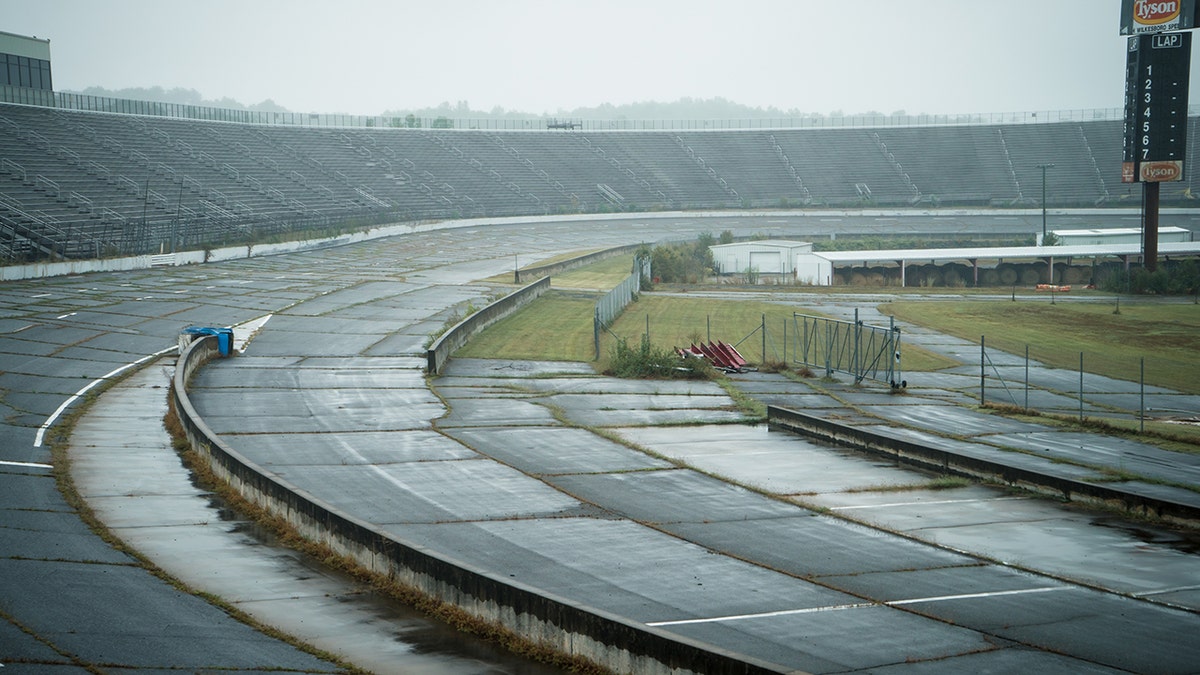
1043, 167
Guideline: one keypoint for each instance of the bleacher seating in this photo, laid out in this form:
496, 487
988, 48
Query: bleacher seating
83, 184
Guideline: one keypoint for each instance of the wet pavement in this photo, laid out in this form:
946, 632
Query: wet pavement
727, 542
69, 601
736, 535
147, 499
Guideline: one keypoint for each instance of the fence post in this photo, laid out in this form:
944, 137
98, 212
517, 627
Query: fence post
893, 356
1026, 378
805, 340
1080, 386
828, 348
857, 337
982, 370
1142, 395
596, 332
785, 341
764, 340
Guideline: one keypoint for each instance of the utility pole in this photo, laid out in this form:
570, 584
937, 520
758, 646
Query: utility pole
1043, 167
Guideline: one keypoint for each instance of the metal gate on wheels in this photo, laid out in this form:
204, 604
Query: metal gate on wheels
834, 345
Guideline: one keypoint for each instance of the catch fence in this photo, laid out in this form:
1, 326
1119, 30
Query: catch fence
612, 303
1120, 391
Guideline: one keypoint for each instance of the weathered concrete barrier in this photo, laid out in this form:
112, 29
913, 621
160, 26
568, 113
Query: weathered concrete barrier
551, 269
947, 460
439, 352
614, 642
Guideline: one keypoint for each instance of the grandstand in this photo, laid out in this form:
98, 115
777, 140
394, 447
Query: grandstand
84, 183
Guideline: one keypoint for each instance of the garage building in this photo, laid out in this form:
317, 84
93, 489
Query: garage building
775, 260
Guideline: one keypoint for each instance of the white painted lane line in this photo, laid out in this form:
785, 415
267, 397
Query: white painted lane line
243, 333
921, 503
766, 615
33, 465
40, 295
859, 605
41, 432
1163, 591
68, 314
969, 596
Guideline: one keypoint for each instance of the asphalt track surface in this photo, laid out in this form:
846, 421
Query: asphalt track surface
760, 575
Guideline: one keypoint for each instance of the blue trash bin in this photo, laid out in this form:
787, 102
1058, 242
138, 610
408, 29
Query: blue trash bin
225, 341
224, 337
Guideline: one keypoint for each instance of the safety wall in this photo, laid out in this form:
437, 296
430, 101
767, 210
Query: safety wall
439, 352
528, 273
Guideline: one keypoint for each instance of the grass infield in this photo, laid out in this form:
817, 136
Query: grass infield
1167, 335
558, 327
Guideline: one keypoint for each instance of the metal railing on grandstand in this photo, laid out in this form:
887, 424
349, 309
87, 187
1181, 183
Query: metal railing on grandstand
150, 236
85, 102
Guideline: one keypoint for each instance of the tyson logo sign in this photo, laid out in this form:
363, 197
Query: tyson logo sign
1161, 172
1155, 12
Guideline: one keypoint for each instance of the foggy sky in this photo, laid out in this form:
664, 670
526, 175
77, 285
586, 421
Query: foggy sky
538, 56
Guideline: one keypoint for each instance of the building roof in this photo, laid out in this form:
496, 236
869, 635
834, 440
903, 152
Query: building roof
20, 45
765, 243
1006, 252
1115, 231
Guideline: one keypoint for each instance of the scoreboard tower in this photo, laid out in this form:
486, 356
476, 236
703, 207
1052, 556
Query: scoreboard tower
1157, 64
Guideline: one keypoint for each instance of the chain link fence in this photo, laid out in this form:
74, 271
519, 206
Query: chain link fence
1025, 383
612, 303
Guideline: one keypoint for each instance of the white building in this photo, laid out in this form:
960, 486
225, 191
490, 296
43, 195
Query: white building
779, 260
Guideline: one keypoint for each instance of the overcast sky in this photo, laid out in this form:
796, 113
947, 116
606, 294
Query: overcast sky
545, 56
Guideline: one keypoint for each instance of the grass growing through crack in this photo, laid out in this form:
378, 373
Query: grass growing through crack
939, 483
384, 584
58, 440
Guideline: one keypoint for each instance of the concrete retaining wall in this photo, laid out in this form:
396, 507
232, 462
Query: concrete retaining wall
562, 266
614, 642
195, 257
949, 461
440, 351
49, 269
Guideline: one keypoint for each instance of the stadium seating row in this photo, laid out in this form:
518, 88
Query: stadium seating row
83, 184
